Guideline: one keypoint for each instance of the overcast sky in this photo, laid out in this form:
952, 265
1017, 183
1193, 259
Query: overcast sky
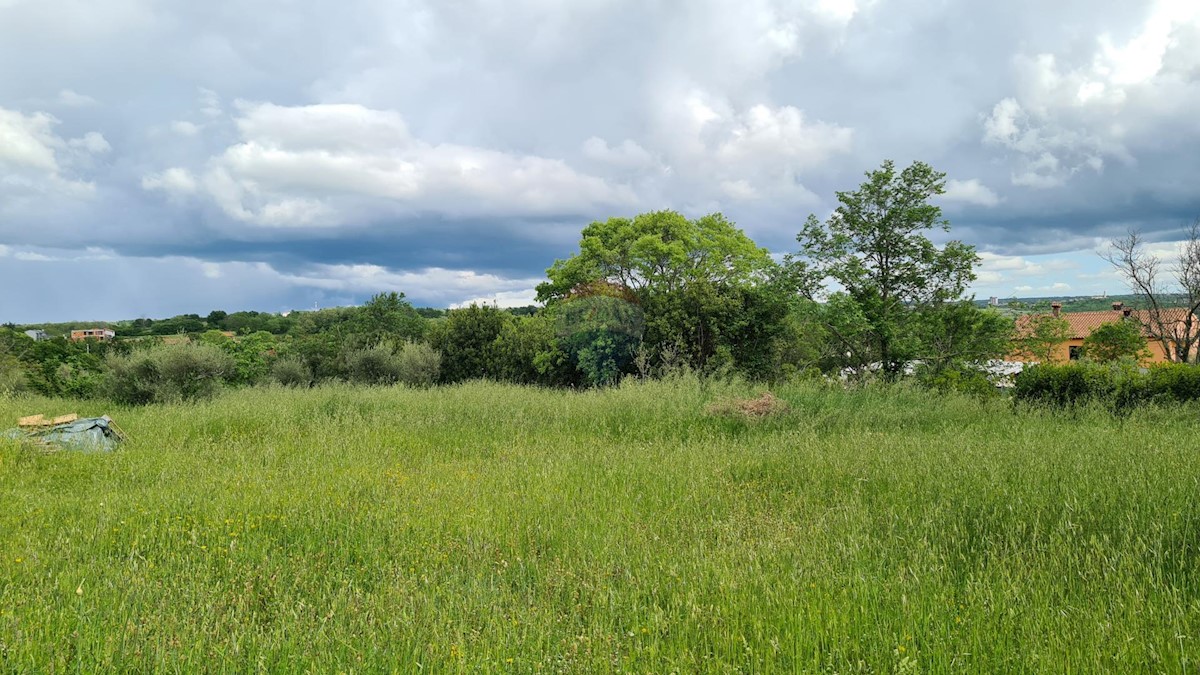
167, 156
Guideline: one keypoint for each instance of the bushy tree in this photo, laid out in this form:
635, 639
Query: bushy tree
601, 330
373, 365
418, 364
528, 351
323, 338
1117, 340
252, 354
466, 339
1043, 336
12, 371
688, 277
291, 372
166, 373
387, 316
875, 247
59, 367
961, 336
320, 338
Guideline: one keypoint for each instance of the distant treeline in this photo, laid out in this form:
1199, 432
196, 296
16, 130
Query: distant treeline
867, 294
241, 323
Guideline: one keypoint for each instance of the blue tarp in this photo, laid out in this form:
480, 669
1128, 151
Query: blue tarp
90, 433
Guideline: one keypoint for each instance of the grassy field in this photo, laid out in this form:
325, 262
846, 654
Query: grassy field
489, 528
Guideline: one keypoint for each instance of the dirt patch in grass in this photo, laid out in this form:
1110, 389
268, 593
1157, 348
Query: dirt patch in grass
767, 405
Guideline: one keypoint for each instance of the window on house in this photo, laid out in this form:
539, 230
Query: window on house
1075, 352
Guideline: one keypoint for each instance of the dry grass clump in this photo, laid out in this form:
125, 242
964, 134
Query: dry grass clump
767, 405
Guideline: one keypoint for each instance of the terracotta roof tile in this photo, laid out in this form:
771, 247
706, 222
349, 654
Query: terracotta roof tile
1083, 323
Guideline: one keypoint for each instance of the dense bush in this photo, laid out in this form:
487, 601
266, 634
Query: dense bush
166, 373
415, 363
467, 340
528, 351
969, 381
373, 365
1174, 382
1119, 386
12, 376
291, 373
418, 364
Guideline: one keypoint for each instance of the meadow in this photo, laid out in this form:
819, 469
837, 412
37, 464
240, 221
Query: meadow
493, 528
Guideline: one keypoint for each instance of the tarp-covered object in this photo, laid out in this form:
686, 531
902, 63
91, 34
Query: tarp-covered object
89, 433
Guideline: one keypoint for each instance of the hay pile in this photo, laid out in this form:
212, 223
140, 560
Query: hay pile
761, 407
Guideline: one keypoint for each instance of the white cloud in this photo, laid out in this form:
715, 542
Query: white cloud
36, 160
55, 255
185, 128
210, 103
91, 142
175, 181
320, 164
970, 192
996, 271
1070, 116
765, 134
28, 141
72, 99
449, 286
522, 298
627, 154
739, 189
1002, 125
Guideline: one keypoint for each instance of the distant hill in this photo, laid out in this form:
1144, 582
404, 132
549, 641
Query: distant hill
1077, 303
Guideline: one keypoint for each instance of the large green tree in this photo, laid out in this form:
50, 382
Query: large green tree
875, 247
690, 277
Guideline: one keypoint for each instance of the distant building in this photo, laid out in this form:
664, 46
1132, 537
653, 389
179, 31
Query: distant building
92, 334
994, 301
1081, 325
37, 335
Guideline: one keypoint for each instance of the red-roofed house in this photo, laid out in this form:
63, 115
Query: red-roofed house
1083, 323
92, 334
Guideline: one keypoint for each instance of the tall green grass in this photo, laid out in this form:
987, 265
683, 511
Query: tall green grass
492, 528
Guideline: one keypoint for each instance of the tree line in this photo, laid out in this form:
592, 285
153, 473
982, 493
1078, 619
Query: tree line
865, 292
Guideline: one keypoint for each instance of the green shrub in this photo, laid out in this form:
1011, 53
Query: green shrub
166, 373
1065, 385
1120, 386
467, 340
1174, 382
418, 364
373, 365
291, 372
12, 376
965, 381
